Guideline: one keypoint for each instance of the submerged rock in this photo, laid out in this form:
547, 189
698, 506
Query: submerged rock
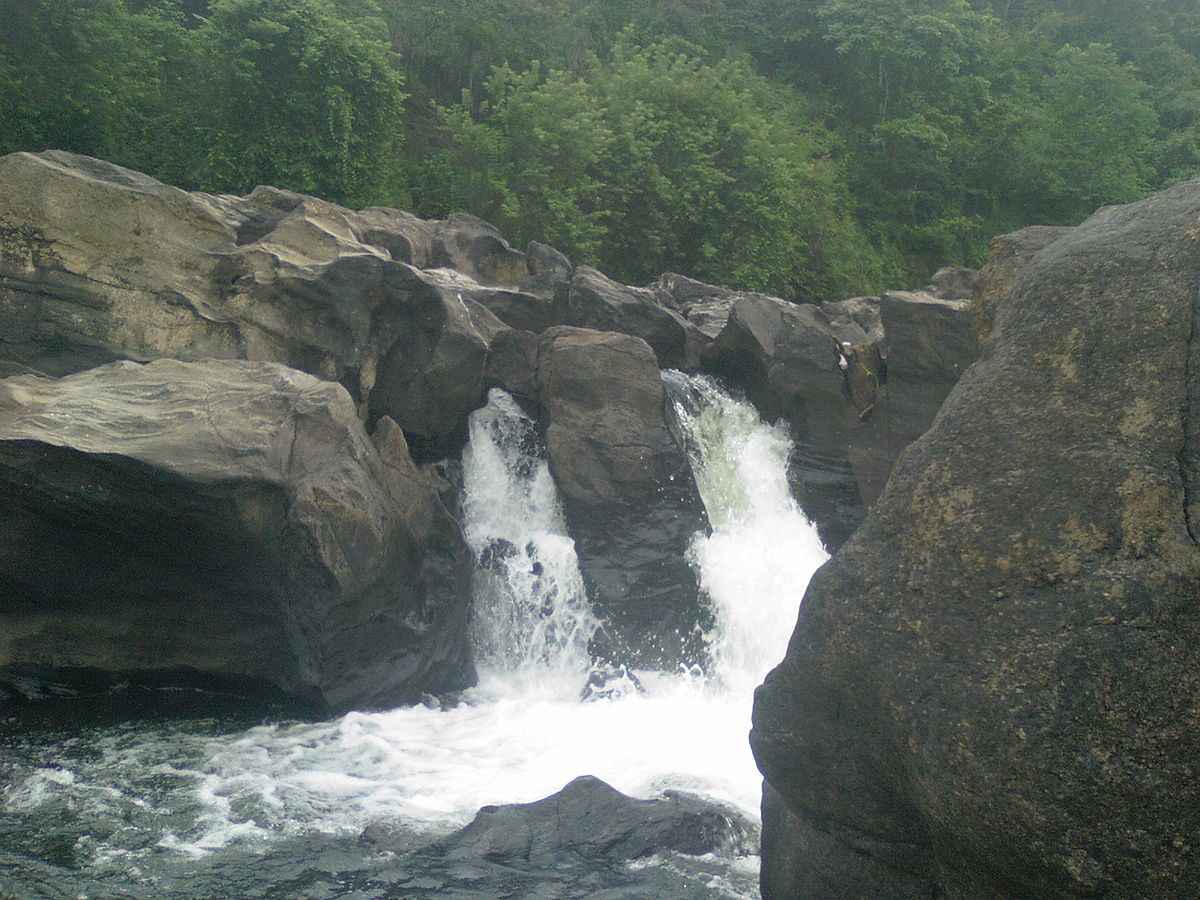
586, 841
590, 820
991, 689
610, 683
228, 518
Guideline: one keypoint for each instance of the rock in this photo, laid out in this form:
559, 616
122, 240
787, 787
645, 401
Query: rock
706, 306
995, 679
610, 683
627, 490
927, 337
928, 344
512, 363
591, 820
433, 374
1008, 255
521, 310
856, 320
478, 250
99, 263
597, 302
549, 270
227, 518
788, 358
954, 283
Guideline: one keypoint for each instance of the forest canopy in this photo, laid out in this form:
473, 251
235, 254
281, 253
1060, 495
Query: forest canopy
813, 150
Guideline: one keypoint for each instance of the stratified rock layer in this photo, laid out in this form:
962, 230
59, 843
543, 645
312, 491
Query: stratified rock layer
992, 690
228, 518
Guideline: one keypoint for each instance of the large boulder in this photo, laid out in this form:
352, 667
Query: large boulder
99, 263
1008, 255
226, 518
927, 344
707, 306
627, 490
596, 301
992, 689
592, 820
858, 380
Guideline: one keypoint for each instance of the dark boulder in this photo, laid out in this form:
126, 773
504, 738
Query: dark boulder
991, 689
586, 842
512, 363
591, 820
792, 361
928, 343
1008, 255
433, 374
550, 271
855, 321
627, 490
228, 518
707, 306
597, 302
477, 249
858, 380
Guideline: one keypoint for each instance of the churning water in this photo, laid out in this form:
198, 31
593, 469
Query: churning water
202, 809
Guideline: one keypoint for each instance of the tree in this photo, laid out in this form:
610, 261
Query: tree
657, 160
299, 96
1090, 142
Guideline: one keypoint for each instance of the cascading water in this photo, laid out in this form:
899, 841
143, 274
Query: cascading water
188, 809
755, 565
531, 612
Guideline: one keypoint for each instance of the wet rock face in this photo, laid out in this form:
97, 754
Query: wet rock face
997, 674
858, 380
228, 518
627, 490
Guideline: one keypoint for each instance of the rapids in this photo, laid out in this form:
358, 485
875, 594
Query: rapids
227, 808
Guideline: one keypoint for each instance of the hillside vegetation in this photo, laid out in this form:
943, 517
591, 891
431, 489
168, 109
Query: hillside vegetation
811, 149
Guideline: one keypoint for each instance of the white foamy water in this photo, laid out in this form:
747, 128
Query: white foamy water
531, 613
523, 733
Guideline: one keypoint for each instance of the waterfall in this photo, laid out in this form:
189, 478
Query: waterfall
530, 609
756, 563
200, 793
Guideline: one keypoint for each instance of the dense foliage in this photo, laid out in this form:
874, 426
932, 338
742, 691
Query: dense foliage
812, 149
